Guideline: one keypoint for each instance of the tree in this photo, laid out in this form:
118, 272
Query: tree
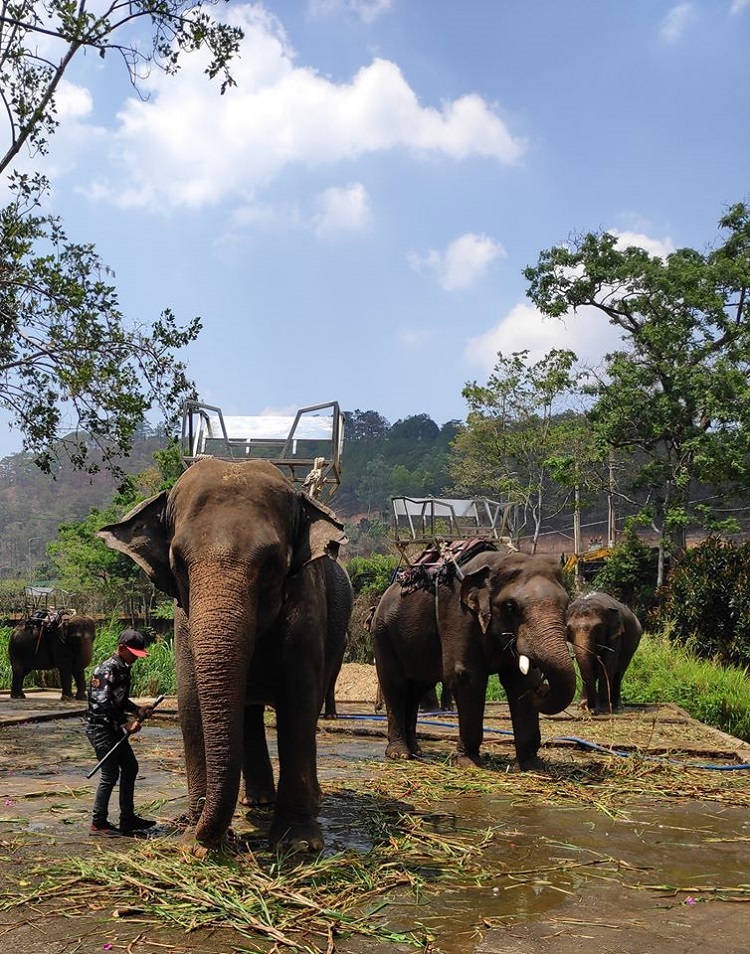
65, 347
676, 397
515, 433
364, 425
417, 427
86, 565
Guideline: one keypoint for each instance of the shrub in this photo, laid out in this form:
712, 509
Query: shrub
664, 672
707, 607
630, 575
371, 576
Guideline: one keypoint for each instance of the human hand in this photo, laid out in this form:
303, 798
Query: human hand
145, 712
134, 726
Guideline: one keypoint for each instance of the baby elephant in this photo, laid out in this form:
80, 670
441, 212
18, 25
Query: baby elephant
605, 634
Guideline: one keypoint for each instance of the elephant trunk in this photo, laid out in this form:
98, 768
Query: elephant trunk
546, 648
222, 638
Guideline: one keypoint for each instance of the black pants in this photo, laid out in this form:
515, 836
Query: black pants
121, 764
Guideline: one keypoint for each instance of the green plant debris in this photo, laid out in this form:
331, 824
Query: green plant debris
417, 851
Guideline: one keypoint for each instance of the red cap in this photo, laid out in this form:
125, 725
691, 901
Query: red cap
133, 641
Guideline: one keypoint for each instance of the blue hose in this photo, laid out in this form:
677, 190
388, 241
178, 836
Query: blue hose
582, 743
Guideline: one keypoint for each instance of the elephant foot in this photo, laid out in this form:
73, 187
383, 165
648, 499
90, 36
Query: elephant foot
462, 760
329, 715
532, 763
81, 697
65, 698
259, 799
18, 695
398, 750
197, 848
296, 836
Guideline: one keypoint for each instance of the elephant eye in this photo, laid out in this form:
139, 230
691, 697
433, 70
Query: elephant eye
509, 608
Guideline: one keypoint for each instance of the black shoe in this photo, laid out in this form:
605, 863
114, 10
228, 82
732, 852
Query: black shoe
136, 824
105, 829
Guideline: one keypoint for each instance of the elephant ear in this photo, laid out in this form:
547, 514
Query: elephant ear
320, 533
142, 536
475, 594
615, 622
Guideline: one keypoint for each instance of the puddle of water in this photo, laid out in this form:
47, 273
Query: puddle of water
549, 857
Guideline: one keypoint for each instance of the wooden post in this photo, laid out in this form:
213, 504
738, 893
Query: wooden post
577, 546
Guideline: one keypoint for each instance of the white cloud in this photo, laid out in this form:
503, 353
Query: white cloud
462, 263
676, 22
657, 247
738, 5
188, 146
524, 328
587, 332
343, 210
367, 10
413, 337
72, 102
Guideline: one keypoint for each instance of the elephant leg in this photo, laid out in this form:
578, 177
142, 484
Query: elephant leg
470, 694
256, 762
191, 723
411, 714
329, 711
295, 824
16, 689
66, 680
525, 720
589, 680
604, 693
393, 691
617, 705
429, 701
80, 680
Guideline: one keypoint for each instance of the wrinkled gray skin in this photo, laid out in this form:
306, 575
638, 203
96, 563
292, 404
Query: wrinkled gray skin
261, 619
605, 634
66, 646
507, 606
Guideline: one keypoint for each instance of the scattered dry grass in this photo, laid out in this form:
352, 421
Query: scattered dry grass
304, 903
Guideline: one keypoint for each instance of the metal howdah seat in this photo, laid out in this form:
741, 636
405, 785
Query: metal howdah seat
306, 446
426, 521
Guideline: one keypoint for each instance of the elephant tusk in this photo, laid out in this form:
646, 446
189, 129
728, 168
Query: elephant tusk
523, 664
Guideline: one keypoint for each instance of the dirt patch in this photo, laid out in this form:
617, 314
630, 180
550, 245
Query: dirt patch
357, 682
638, 854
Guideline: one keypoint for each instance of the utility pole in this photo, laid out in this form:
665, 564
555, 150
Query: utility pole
577, 546
30, 568
611, 515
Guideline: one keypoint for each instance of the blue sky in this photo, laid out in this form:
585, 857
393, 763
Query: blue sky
352, 220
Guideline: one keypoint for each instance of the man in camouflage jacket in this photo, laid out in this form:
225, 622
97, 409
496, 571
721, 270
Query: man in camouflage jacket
107, 722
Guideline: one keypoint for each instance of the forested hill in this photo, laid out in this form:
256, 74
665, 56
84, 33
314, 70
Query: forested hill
379, 460
34, 504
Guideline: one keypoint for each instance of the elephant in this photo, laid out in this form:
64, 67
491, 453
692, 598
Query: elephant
605, 635
504, 614
52, 641
261, 613
329, 708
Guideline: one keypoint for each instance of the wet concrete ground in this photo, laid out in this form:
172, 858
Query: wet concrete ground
591, 865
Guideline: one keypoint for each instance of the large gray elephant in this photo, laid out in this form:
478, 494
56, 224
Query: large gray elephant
605, 634
506, 616
52, 641
262, 614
